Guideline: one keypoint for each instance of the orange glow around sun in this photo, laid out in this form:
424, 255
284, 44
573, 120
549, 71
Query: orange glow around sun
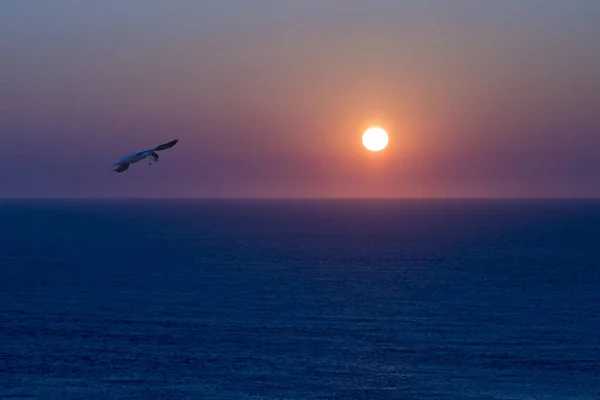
375, 139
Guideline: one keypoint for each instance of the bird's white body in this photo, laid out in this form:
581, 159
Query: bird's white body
124, 163
135, 157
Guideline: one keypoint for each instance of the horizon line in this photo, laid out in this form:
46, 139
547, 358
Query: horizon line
17, 198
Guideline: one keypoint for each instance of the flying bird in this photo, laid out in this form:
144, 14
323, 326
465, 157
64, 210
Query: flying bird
124, 163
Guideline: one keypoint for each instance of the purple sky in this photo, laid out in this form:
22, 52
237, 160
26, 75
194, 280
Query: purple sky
270, 97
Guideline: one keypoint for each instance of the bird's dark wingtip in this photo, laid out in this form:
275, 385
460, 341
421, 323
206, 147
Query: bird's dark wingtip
167, 145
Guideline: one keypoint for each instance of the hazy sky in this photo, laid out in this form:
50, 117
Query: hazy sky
270, 97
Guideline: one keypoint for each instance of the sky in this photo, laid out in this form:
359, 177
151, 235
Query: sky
269, 98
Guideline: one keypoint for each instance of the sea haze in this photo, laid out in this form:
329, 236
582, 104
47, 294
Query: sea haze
300, 299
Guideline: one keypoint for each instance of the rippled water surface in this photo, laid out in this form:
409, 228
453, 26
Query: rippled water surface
328, 299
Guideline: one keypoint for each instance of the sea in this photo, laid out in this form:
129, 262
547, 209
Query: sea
299, 299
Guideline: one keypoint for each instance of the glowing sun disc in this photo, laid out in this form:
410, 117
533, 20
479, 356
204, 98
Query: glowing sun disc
375, 139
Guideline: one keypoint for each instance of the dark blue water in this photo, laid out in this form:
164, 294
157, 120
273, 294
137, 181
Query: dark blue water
300, 300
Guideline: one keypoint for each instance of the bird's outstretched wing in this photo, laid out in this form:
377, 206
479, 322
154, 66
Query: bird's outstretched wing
166, 145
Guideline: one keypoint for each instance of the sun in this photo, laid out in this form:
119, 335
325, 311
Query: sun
375, 139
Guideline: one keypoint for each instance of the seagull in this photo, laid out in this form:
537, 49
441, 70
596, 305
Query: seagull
124, 162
